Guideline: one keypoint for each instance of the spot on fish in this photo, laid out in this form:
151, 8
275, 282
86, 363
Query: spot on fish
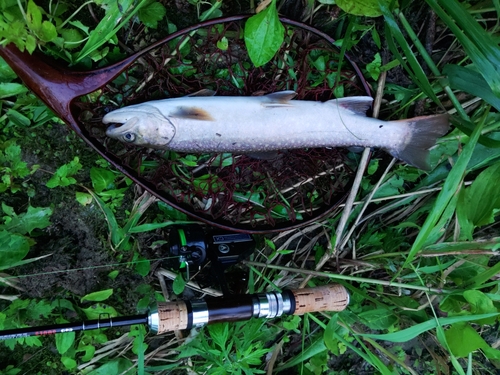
193, 113
380, 126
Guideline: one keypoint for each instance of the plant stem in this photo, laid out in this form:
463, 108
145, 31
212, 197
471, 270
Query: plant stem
350, 278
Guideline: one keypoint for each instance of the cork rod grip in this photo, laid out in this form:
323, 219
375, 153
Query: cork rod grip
324, 298
172, 316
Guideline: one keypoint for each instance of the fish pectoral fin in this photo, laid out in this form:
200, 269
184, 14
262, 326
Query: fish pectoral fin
193, 113
263, 155
203, 92
355, 104
279, 99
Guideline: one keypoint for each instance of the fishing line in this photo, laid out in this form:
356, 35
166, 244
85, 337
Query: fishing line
86, 268
343, 123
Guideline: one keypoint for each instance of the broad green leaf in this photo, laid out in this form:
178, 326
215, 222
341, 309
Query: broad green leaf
264, 35
89, 351
68, 362
452, 304
179, 284
151, 13
223, 44
13, 248
47, 32
480, 303
479, 203
468, 80
6, 72
62, 176
80, 26
115, 366
33, 218
329, 336
72, 38
463, 339
33, 16
102, 179
64, 341
83, 198
10, 159
98, 296
412, 332
367, 8
11, 89
378, 318
100, 310
39, 309
374, 67
30, 43
143, 266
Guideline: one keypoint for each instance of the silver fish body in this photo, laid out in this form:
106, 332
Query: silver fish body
199, 124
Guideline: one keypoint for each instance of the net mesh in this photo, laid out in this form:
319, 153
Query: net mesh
290, 187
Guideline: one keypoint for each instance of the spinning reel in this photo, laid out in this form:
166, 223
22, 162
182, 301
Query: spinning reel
191, 247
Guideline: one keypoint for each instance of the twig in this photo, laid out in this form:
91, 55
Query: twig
191, 284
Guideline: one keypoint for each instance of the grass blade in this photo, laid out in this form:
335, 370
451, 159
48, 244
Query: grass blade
412, 332
416, 72
478, 44
115, 230
450, 189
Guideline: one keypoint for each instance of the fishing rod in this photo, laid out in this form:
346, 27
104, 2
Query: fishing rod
192, 246
179, 315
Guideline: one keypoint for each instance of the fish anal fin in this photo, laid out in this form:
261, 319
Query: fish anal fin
424, 132
279, 99
356, 104
203, 92
193, 113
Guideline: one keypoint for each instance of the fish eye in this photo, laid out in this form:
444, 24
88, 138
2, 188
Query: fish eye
129, 137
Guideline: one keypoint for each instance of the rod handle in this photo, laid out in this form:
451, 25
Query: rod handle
332, 297
180, 315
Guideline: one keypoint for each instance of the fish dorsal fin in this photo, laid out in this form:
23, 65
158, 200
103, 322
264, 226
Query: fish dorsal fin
193, 113
279, 99
203, 92
355, 104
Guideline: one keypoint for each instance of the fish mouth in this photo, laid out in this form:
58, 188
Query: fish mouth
118, 127
113, 129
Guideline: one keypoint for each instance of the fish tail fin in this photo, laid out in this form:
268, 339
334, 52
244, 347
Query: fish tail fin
424, 132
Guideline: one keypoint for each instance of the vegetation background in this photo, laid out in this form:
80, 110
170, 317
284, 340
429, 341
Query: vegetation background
417, 250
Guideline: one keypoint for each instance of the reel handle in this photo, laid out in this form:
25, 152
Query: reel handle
179, 315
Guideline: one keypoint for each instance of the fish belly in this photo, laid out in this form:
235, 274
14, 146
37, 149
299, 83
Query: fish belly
242, 125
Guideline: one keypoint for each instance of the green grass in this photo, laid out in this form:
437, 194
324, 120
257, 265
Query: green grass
417, 251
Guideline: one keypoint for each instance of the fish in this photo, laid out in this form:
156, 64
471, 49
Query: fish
205, 123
